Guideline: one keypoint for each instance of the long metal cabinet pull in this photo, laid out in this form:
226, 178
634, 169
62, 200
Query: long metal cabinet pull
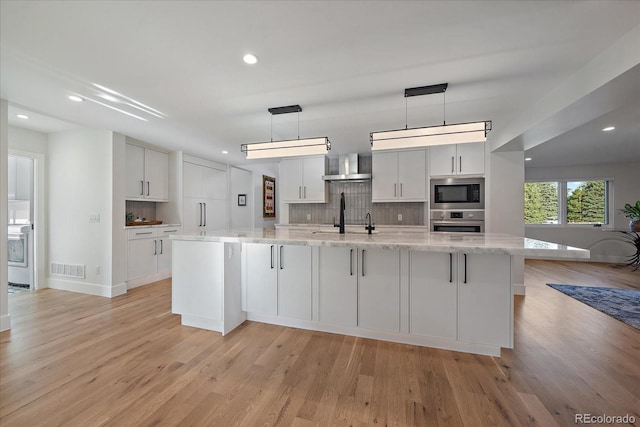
155, 247
305, 191
161, 247
148, 187
395, 190
142, 188
400, 189
450, 268
465, 268
452, 167
281, 256
271, 256
460, 164
351, 262
363, 251
204, 218
299, 192
200, 222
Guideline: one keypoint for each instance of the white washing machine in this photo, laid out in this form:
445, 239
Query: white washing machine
20, 255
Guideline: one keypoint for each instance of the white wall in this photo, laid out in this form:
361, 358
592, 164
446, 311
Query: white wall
282, 212
241, 182
5, 320
604, 246
80, 181
27, 140
116, 276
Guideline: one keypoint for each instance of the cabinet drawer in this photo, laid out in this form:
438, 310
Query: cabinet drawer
141, 233
167, 231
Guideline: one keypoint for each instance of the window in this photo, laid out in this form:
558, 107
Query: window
567, 202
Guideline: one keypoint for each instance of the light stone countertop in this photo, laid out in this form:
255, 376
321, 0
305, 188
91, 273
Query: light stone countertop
128, 227
397, 238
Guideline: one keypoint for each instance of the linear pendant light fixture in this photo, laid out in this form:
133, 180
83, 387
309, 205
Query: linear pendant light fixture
288, 148
459, 133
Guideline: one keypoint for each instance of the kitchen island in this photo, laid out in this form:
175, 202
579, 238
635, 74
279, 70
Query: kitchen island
443, 290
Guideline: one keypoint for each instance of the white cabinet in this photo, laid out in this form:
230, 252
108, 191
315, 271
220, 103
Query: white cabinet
379, 289
146, 174
20, 178
485, 310
278, 280
149, 253
204, 198
433, 287
464, 297
338, 296
206, 286
301, 180
457, 159
294, 281
262, 278
399, 176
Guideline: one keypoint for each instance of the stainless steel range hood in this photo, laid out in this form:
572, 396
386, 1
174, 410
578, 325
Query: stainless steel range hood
348, 170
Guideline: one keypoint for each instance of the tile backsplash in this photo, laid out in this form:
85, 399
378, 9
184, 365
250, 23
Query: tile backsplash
358, 203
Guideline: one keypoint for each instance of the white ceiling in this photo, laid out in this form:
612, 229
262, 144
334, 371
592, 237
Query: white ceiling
345, 63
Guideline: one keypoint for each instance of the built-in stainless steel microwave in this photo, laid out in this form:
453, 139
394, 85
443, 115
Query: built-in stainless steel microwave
454, 193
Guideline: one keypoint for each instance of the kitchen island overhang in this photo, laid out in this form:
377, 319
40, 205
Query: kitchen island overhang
443, 290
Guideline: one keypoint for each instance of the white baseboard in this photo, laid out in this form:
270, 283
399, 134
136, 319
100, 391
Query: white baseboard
87, 288
5, 322
519, 289
145, 280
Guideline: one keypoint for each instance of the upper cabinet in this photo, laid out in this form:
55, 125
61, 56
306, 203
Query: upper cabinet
147, 174
399, 176
301, 180
457, 159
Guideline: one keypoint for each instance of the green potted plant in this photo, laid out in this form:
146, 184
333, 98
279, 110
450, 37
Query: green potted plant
633, 213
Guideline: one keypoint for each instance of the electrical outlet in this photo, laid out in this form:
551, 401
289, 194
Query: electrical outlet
308, 217
94, 217
400, 217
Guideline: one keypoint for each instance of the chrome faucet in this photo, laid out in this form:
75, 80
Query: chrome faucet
342, 208
369, 227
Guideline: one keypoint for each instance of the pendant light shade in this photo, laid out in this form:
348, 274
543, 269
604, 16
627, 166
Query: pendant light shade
460, 133
288, 148
293, 147
433, 135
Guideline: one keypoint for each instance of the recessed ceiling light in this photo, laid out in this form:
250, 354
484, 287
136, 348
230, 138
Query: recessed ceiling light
22, 116
75, 98
526, 159
225, 152
608, 128
250, 59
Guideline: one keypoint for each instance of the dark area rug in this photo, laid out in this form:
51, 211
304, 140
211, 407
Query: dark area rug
621, 304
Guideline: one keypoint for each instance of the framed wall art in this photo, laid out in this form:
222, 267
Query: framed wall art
242, 200
268, 197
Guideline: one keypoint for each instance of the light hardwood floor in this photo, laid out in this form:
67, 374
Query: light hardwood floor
79, 360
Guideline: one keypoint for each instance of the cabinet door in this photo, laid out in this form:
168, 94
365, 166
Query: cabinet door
214, 214
313, 186
338, 286
442, 160
484, 299
384, 179
262, 279
290, 185
193, 215
164, 255
156, 175
433, 294
191, 180
135, 187
471, 158
214, 183
412, 175
379, 290
142, 257
294, 281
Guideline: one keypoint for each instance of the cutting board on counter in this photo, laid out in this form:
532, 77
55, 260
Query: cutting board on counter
132, 223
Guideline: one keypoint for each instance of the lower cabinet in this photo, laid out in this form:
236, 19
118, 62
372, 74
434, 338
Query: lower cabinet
464, 297
360, 287
278, 280
149, 252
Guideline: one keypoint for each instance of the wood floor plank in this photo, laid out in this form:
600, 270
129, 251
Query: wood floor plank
81, 360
